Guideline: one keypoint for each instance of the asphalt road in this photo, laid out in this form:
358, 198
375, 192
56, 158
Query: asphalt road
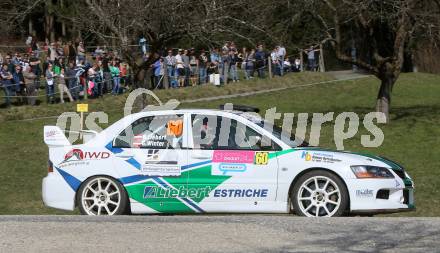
233, 233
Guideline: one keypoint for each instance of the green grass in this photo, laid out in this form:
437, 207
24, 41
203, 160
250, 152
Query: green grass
412, 137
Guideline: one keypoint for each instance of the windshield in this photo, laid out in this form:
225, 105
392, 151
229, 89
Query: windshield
286, 137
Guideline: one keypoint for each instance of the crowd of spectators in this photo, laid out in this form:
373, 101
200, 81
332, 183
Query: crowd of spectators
70, 72
190, 67
65, 71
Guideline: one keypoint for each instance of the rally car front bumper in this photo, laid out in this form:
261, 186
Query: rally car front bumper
373, 196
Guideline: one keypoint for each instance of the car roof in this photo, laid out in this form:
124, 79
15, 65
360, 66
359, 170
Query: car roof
239, 113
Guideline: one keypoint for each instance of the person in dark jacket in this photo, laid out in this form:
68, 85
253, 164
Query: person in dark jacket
72, 80
20, 89
7, 84
260, 61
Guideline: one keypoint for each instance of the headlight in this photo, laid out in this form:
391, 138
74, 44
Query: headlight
365, 171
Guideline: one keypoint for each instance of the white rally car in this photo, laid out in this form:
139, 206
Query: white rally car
214, 161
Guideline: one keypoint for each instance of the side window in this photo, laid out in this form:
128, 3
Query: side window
154, 132
220, 133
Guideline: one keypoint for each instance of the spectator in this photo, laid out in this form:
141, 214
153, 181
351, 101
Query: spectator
202, 63
185, 60
193, 67
81, 52
52, 52
107, 76
66, 50
297, 66
158, 68
35, 62
215, 59
92, 80
260, 60
99, 86
114, 70
31, 91
233, 59
170, 62
50, 89
281, 53
123, 74
275, 62
225, 62
18, 78
143, 44
250, 64
311, 58
72, 52
180, 68
35, 48
72, 80
63, 88
7, 84
287, 65
98, 52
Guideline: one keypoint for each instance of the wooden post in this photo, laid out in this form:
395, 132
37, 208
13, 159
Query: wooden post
82, 121
31, 27
269, 62
321, 59
301, 56
165, 80
86, 89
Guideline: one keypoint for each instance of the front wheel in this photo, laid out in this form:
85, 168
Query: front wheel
102, 195
319, 193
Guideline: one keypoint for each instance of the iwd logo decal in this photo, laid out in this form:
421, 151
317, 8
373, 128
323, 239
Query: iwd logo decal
74, 155
79, 155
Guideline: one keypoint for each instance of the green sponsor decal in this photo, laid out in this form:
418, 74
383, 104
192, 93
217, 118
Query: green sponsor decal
181, 192
193, 185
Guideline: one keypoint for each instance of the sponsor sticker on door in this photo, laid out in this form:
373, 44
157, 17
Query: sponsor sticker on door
226, 156
161, 169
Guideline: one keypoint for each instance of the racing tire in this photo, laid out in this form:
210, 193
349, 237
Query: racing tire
319, 193
102, 195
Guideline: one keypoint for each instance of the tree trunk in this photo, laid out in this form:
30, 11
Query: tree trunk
31, 27
383, 102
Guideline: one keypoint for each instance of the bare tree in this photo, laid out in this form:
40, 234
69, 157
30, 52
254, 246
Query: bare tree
381, 31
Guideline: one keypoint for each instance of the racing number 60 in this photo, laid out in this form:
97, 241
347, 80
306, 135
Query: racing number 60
261, 158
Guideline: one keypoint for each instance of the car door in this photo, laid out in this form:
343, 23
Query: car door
228, 164
154, 146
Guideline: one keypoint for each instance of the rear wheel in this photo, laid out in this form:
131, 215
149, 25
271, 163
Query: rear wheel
319, 193
102, 195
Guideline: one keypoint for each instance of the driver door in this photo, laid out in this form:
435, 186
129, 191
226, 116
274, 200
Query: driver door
152, 148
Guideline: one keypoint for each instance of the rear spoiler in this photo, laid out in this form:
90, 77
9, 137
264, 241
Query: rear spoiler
55, 137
